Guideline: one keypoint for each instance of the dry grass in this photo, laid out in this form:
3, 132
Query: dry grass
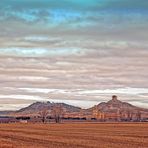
72, 135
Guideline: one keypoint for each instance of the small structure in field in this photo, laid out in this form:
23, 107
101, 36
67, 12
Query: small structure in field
23, 121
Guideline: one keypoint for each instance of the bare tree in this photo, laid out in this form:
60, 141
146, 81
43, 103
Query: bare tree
129, 115
43, 114
57, 113
138, 116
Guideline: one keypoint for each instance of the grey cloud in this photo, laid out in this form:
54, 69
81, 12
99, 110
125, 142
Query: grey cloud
105, 43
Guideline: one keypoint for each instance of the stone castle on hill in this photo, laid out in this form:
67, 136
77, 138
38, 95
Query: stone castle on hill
113, 110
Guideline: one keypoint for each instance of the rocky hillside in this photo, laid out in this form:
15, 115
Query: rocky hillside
115, 105
39, 106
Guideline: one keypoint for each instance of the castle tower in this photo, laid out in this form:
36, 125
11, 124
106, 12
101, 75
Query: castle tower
114, 98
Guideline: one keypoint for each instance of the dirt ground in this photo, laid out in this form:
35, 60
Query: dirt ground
74, 135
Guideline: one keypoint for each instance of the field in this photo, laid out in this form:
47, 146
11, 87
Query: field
74, 135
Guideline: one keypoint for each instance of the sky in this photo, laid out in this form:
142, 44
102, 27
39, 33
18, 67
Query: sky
79, 52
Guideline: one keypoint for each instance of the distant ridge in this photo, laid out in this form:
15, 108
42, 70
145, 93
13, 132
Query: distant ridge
114, 108
39, 106
116, 105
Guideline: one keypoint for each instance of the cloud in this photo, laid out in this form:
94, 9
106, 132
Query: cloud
27, 97
52, 14
40, 39
39, 52
74, 50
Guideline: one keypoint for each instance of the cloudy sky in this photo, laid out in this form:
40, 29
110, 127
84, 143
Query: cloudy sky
79, 52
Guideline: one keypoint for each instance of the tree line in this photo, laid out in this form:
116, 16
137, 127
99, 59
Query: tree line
56, 113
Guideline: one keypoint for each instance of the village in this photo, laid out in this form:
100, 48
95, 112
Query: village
113, 111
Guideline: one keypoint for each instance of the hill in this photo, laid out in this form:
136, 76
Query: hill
114, 110
36, 107
116, 105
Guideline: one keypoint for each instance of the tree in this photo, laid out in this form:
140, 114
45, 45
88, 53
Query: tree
138, 116
57, 113
129, 115
43, 114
